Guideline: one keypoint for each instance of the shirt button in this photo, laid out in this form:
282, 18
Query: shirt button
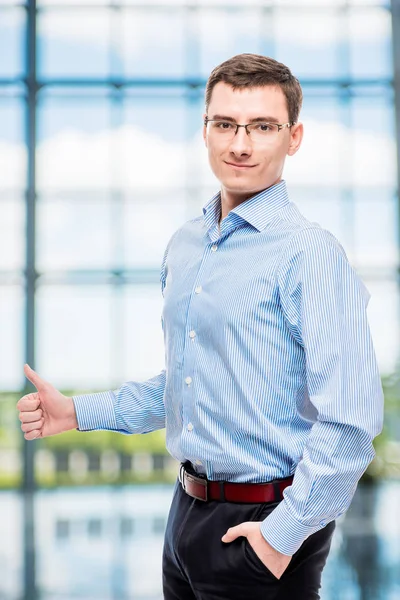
188, 380
214, 248
199, 289
192, 334
189, 427
198, 462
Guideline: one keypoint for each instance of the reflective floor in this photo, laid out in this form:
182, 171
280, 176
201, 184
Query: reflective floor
105, 544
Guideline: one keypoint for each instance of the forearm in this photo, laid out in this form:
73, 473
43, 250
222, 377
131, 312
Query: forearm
133, 408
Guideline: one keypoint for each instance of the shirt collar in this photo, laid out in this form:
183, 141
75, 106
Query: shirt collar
258, 211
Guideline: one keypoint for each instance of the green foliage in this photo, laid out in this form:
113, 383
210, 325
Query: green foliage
154, 442
387, 445
100, 479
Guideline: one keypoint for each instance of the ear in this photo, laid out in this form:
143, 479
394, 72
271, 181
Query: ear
204, 130
296, 136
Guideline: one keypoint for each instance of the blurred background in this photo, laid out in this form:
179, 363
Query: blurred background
101, 160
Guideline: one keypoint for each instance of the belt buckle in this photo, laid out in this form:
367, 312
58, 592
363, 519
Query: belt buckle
199, 481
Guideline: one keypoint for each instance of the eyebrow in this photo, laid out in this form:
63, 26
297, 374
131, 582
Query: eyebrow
255, 120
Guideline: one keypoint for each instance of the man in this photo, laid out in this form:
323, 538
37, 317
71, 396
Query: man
271, 394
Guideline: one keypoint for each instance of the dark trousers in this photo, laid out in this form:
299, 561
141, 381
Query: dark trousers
197, 565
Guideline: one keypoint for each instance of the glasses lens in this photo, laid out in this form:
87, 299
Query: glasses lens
222, 129
262, 132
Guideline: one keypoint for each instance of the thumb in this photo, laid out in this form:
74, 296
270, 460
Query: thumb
34, 378
232, 533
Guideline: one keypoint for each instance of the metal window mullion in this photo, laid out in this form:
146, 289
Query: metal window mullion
28, 482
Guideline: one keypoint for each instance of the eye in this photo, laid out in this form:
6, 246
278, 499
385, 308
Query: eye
224, 125
265, 127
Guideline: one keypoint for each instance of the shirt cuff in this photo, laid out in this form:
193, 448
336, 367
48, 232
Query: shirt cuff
95, 411
285, 533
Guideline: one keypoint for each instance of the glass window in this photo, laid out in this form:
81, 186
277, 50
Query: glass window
159, 524
225, 33
373, 148
127, 527
94, 528
73, 333
383, 315
11, 555
75, 145
375, 227
12, 30
73, 43
62, 110
369, 33
151, 43
143, 342
149, 223
321, 158
157, 119
74, 231
12, 150
12, 324
321, 204
374, 113
12, 233
307, 41
62, 529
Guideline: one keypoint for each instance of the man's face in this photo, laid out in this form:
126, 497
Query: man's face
242, 165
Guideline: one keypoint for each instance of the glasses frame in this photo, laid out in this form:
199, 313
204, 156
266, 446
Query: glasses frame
237, 125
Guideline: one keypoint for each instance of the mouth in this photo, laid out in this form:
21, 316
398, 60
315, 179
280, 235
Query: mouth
239, 166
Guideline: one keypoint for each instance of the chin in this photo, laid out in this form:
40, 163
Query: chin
245, 188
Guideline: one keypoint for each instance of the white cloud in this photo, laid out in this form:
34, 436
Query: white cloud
332, 154
129, 158
12, 166
125, 158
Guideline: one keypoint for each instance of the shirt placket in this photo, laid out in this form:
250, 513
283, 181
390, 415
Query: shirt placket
192, 338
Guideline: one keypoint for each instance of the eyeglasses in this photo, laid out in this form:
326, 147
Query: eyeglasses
258, 132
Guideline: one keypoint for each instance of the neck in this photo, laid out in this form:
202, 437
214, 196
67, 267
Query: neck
230, 201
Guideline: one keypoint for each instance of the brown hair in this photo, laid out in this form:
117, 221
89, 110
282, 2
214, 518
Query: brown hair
254, 70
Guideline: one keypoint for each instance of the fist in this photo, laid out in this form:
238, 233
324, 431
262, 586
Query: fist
46, 411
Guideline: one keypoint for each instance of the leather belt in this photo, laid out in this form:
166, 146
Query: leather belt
225, 491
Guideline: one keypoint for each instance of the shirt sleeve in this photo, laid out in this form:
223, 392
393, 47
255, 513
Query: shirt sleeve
134, 407
324, 304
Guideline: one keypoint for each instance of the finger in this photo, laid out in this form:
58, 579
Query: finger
31, 416
34, 378
29, 402
27, 427
234, 532
33, 435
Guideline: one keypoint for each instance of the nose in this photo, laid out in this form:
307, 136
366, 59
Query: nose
241, 143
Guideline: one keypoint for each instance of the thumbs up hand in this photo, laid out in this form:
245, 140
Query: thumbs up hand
46, 411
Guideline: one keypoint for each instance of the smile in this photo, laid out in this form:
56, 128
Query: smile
235, 166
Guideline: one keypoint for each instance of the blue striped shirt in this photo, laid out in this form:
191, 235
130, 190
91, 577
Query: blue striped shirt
269, 365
